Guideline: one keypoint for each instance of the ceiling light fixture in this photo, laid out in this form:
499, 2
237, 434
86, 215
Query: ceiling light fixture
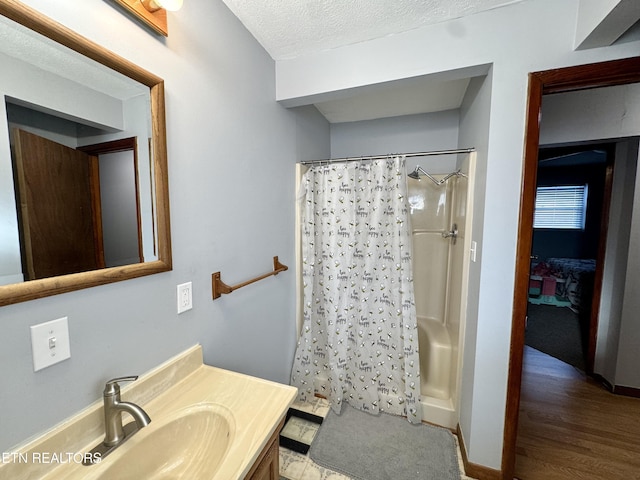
155, 5
152, 13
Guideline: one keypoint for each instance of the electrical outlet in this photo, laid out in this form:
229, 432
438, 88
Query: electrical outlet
50, 343
185, 301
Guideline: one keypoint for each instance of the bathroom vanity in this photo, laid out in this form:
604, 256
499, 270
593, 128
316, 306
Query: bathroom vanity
267, 466
206, 423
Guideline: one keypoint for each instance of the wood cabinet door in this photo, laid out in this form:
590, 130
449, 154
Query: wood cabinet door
267, 466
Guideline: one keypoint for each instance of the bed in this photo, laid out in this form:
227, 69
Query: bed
563, 282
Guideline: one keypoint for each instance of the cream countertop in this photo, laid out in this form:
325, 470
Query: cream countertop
257, 407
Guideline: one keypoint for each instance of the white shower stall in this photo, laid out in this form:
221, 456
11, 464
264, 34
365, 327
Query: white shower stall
442, 249
441, 219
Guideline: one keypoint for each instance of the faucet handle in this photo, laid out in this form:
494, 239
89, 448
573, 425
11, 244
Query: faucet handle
112, 387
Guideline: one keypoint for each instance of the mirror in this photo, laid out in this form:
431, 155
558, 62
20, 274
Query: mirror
67, 100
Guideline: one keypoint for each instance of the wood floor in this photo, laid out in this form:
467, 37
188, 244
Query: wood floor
570, 427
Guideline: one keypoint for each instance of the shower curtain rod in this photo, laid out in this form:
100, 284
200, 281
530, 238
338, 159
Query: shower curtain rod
381, 157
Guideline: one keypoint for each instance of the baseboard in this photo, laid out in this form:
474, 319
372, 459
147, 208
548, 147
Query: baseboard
626, 391
618, 389
472, 469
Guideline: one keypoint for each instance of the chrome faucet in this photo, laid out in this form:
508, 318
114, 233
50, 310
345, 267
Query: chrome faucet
113, 408
115, 433
452, 234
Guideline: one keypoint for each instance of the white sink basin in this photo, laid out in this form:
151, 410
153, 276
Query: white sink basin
192, 443
207, 423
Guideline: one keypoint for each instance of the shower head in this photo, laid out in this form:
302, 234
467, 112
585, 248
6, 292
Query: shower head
419, 170
415, 174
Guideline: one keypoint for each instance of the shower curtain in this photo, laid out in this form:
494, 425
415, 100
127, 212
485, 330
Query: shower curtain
359, 341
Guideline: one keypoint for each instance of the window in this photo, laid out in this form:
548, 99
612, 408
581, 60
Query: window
561, 207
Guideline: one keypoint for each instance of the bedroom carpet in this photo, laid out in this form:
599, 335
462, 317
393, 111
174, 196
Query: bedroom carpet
383, 447
556, 332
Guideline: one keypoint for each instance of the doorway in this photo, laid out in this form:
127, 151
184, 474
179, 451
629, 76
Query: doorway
617, 72
119, 200
573, 193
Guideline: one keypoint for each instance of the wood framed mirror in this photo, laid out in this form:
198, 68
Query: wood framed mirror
146, 148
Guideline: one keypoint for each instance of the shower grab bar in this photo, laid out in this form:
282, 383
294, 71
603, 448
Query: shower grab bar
432, 230
218, 287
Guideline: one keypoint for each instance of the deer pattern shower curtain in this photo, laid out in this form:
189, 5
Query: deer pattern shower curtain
359, 340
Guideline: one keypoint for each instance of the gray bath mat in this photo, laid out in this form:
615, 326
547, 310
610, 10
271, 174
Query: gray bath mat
384, 447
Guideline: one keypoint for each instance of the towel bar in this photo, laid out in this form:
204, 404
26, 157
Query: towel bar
218, 287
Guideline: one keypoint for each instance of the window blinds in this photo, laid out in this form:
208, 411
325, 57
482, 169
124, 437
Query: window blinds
561, 207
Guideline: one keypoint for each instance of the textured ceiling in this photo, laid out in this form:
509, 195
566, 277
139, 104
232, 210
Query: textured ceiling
291, 28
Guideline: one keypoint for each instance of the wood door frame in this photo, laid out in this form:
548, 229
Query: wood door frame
116, 146
603, 74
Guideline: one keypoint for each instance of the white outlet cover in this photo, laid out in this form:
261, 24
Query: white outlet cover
184, 294
50, 343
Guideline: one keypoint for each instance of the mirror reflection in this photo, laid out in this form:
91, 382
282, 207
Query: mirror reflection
82, 162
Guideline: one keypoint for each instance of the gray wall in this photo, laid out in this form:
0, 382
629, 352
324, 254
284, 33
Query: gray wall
615, 265
475, 114
118, 207
231, 151
409, 133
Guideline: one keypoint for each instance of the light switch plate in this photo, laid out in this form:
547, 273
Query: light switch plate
474, 250
50, 343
